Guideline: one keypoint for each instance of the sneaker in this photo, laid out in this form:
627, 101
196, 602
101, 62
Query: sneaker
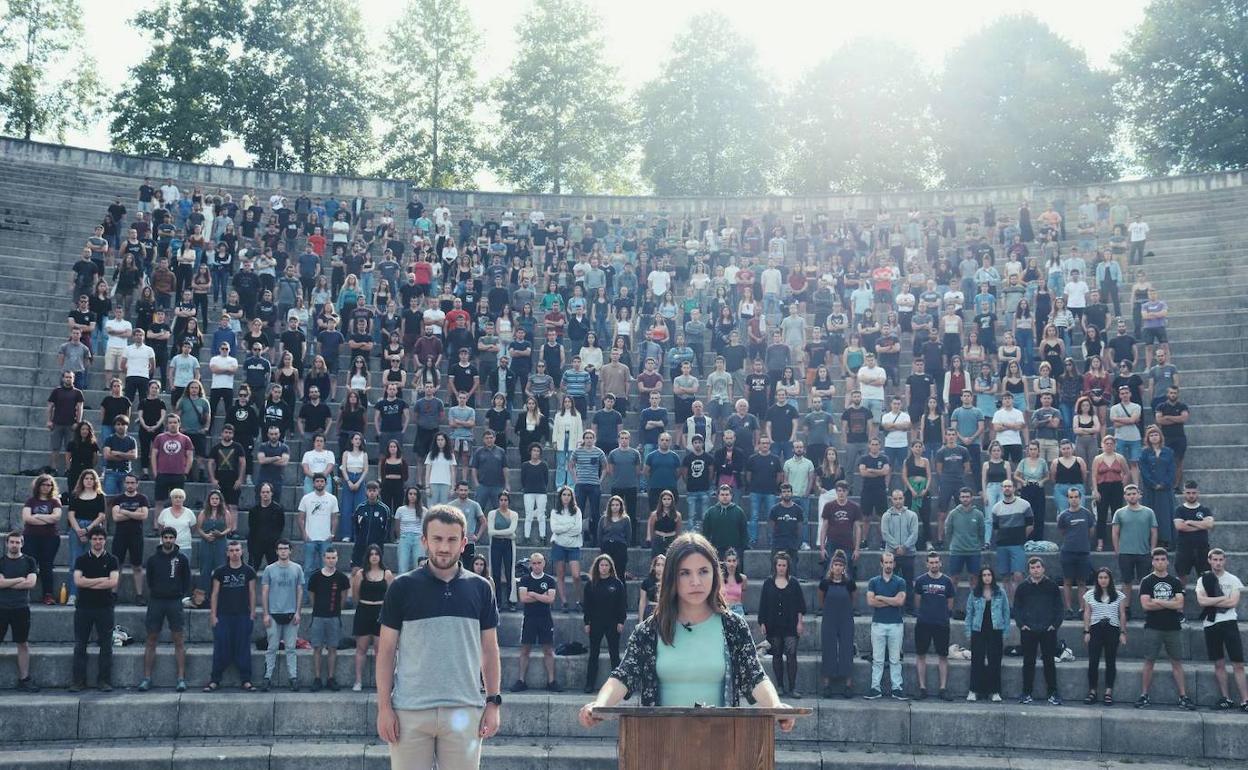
145, 685
1142, 701
357, 687
922, 694
849, 693
944, 695
181, 686
294, 685
1224, 704
73, 600
48, 600
332, 684
827, 693
140, 601
1055, 700
1187, 703
1026, 699
971, 697
78, 687
316, 685
874, 694
554, 686
27, 685
996, 697
104, 686
519, 686
1244, 707
795, 694
899, 695
266, 685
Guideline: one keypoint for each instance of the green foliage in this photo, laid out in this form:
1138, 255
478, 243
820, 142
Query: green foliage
1184, 85
433, 137
50, 83
708, 118
860, 121
178, 102
1018, 104
561, 126
304, 86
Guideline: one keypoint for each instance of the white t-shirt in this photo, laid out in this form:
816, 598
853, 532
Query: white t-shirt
222, 380
341, 230
318, 462
435, 317
1138, 231
1007, 437
1228, 583
1076, 294
896, 439
318, 511
770, 280
872, 392
440, 469
659, 281
441, 215
536, 216
181, 523
117, 326
139, 359
409, 520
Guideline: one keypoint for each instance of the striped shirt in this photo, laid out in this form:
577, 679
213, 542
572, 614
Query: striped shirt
1103, 611
588, 464
576, 383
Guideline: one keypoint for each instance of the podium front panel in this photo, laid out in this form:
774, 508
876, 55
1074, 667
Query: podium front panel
697, 743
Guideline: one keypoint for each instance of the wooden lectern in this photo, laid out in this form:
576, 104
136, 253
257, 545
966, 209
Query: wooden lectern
697, 738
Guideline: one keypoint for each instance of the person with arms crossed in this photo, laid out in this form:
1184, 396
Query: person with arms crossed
935, 592
1161, 594
886, 595
168, 582
18, 573
1217, 593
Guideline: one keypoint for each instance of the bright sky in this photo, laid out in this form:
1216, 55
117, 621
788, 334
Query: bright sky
790, 35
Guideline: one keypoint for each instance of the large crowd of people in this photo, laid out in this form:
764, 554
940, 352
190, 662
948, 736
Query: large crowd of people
900, 382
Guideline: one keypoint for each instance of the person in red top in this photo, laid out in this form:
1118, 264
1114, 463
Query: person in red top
423, 271
456, 313
555, 319
172, 456
316, 242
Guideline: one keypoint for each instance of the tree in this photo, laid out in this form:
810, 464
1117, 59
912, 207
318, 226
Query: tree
860, 121
433, 136
560, 123
1018, 104
1184, 85
304, 89
707, 118
50, 82
178, 102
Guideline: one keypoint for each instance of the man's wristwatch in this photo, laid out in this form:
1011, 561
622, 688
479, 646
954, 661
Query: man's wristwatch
497, 700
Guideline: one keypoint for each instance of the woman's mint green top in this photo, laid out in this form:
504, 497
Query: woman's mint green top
692, 669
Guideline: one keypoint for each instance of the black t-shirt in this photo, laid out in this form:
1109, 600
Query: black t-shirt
152, 410
875, 483
782, 419
232, 595
130, 505
1164, 589
697, 472
463, 376
756, 385
23, 565
226, 457
734, 357
315, 416
1197, 542
92, 566
293, 341
788, 521
246, 421
921, 388
327, 593
763, 470
112, 406
1122, 346
391, 411
521, 364
857, 420
952, 461
1176, 431
537, 585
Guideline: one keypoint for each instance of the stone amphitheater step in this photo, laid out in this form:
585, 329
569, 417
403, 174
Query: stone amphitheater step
837, 726
54, 625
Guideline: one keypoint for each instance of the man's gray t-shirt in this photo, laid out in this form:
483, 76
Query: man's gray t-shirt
282, 583
491, 464
625, 468
1077, 526
1135, 529
438, 658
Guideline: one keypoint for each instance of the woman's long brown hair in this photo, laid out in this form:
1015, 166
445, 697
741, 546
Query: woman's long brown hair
667, 607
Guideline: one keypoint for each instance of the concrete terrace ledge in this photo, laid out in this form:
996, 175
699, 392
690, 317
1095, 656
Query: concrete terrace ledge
18, 151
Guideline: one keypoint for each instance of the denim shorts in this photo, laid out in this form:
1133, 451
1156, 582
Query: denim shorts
559, 553
1011, 558
964, 561
1130, 449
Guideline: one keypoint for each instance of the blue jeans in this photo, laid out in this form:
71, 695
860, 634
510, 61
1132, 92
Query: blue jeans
112, 484
410, 551
771, 304
992, 496
784, 449
348, 500
897, 460
697, 508
1027, 344
589, 500
220, 283
761, 504
886, 641
562, 477
76, 549
313, 557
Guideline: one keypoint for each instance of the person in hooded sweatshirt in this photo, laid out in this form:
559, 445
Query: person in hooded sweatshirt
168, 573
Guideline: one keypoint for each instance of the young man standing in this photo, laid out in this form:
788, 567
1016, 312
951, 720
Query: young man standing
318, 521
787, 518
537, 595
1161, 594
935, 592
965, 528
18, 573
1012, 521
886, 595
128, 511
1077, 525
725, 524
372, 523
1193, 521
233, 606
441, 623
840, 528
587, 465
96, 574
327, 587
696, 470
953, 468
1217, 592
1038, 613
173, 454
899, 527
1135, 537
168, 582
281, 598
